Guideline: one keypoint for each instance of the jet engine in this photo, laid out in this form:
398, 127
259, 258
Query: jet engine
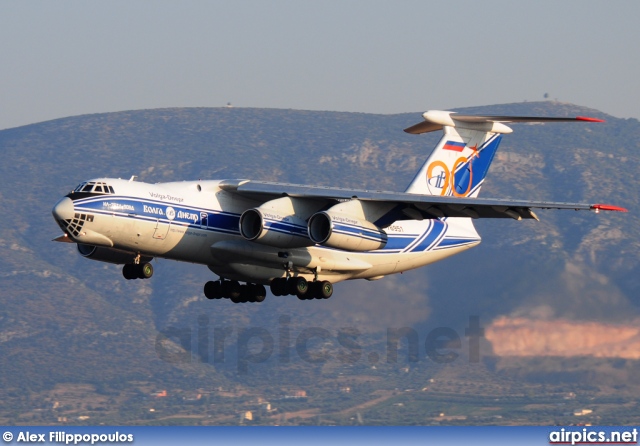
109, 255
280, 223
344, 231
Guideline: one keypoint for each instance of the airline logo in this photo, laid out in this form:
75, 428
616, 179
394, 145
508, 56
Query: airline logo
438, 181
455, 146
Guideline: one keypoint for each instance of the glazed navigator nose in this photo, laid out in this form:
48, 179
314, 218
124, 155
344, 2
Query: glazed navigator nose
63, 210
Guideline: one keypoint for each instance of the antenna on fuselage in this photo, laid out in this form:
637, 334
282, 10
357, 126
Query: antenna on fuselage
133, 178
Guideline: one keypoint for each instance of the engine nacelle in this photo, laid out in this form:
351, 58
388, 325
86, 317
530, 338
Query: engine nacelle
280, 223
344, 231
109, 255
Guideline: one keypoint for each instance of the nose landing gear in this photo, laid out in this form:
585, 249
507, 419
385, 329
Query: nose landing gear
137, 271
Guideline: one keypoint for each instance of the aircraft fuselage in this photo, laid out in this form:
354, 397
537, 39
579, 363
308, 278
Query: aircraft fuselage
198, 222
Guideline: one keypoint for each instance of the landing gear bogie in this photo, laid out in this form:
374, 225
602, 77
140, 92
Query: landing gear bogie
236, 293
280, 286
300, 287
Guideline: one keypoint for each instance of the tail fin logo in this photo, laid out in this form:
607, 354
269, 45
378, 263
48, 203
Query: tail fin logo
458, 165
439, 176
438, 181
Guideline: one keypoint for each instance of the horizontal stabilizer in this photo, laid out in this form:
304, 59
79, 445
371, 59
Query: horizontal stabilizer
435, 120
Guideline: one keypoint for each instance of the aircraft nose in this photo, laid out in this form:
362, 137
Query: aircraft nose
63, 210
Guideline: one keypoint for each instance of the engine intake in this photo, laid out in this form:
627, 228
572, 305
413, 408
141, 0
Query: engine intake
280, 223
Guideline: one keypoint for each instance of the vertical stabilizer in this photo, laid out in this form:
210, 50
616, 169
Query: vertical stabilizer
459, 163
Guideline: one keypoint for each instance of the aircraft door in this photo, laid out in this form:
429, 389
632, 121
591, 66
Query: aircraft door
161, 230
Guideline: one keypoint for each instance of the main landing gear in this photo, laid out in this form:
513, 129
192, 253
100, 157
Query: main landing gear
282, 286
231, 289
299, 286
137, 271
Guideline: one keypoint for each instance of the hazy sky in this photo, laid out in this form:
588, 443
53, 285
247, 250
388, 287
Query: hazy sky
64, 58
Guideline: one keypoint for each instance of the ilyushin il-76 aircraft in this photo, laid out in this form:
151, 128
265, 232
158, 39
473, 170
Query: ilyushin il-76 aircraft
300, 240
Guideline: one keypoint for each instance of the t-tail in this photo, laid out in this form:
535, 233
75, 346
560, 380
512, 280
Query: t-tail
460, 162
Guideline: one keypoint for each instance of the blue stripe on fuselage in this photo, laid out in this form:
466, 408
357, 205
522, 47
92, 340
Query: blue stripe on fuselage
399, 242
455, 241
157, 210
431, 236
225, 222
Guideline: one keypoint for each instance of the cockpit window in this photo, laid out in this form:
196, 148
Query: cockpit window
95, 187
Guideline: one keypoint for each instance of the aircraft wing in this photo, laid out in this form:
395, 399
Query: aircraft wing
408, 206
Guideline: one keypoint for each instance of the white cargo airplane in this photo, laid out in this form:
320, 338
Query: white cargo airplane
301, 239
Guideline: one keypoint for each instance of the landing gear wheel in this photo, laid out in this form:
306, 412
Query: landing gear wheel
212, 290
314, 290
246, 293
259, 292
128, 271
297, 286
326, 290
145, 270
231, 289
279, 286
